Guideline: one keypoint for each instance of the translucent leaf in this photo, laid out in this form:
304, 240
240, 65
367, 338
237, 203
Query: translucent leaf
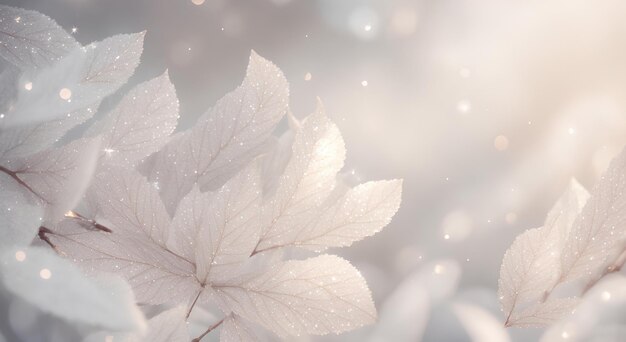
309, 178
234, 329
56, 286
60, 176
315, 296
600, 227
225, 138
361, 212
80, 80
140, 124
530, 266
29, 39
131, 204
22, 141
156, 275
219, 230
543, 314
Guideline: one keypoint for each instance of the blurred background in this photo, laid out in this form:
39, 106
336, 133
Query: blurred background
486, 108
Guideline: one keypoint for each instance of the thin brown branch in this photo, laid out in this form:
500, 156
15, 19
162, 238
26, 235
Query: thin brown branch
194, 302
42, 235
15, 177
211, 328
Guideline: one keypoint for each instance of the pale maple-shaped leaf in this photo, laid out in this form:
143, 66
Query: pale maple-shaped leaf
29, 39
140, 124
226, 137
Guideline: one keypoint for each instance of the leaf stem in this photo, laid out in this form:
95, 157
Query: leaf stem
15, 177
194, 302
211, 328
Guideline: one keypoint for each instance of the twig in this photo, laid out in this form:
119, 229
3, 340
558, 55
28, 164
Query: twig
211, 328
15, 177
42, 235
194, 302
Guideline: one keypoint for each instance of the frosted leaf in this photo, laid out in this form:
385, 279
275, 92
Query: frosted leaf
130, 203
81, 79
361, 212
314, 296
56, 286
278, 156
235, 329
29, 39
530, 266
601, 226
226, 137
219, 230
543, 314
140, 124
156, 275
317, 155
19, 219
59, 176
22, 141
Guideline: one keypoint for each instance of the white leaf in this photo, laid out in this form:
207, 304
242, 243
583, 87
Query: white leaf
315, 296
56, 286
530, 266
278, 155
29, 39
362, 211
25, 140
225, 138
219, 230
543, 314
131, 204
80, 80
156, 275
309, 178
600, 227
140, 124
60, 176
234, 329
